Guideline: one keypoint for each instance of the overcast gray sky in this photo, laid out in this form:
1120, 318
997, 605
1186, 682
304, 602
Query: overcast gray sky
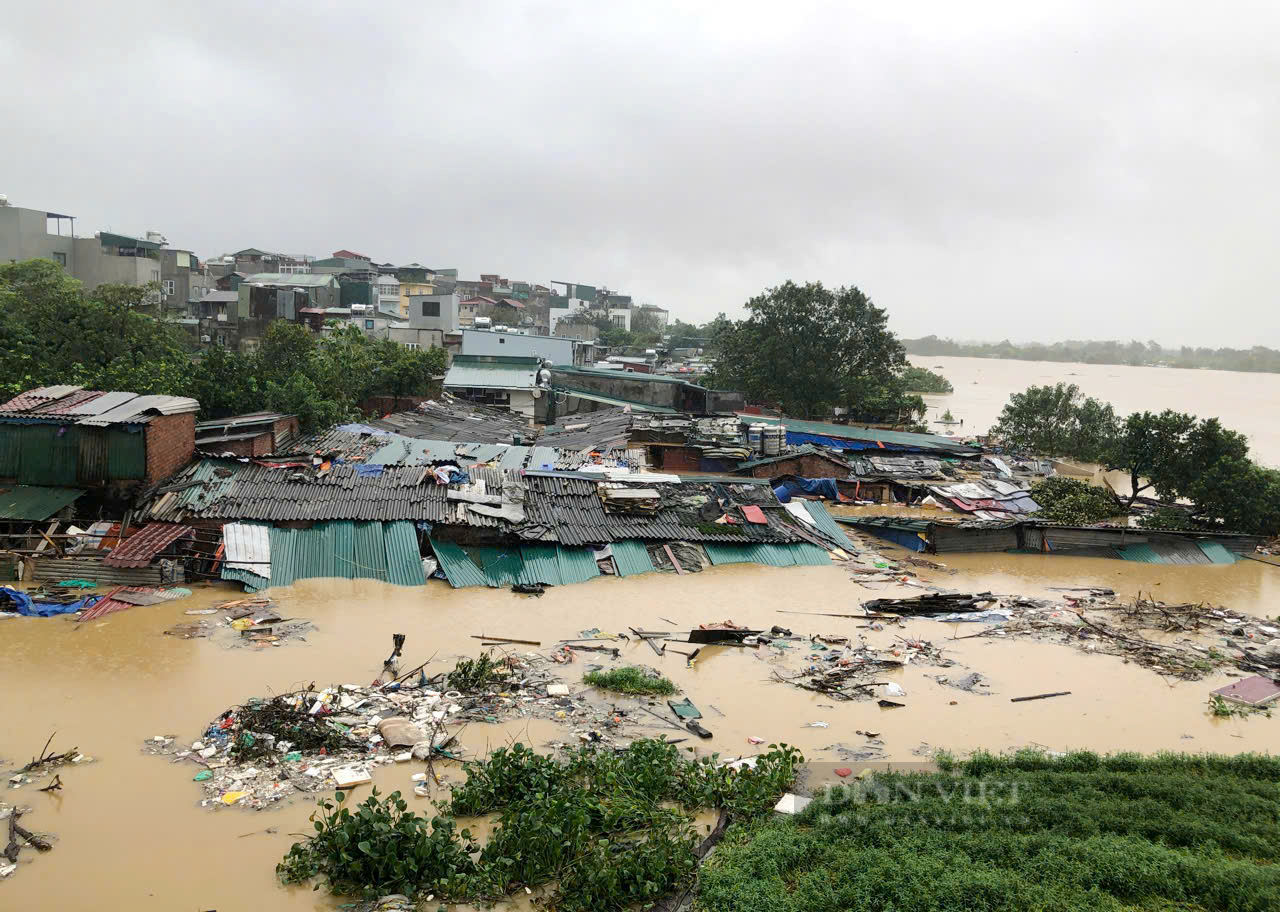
983, 170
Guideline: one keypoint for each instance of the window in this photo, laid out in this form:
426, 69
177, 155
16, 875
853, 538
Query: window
412, 346
431, 308
368, 324
168, 287
60, 259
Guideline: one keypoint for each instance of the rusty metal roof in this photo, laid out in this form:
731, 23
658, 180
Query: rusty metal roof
74, 404
139, 549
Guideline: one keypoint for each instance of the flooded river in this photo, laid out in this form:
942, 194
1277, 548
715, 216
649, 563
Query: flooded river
131, 834
1243, 402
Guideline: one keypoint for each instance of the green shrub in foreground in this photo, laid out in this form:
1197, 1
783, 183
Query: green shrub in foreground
630, 680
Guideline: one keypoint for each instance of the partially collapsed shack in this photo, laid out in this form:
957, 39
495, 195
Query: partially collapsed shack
479, 496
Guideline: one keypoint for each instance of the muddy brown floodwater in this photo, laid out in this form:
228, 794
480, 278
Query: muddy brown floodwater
131, 833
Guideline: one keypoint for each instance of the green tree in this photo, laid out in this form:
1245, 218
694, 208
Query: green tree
923, 380
1238, 495
1058, 421
810, 348
53, 332
225, 383
284, 350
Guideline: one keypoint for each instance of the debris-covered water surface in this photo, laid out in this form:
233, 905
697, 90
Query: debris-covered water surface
133, 828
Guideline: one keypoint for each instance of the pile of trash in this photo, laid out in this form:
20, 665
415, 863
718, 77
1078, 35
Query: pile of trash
836, 667
252, 623
319, 739
1209, 638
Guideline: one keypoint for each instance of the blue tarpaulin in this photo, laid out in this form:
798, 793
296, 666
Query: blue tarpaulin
29, 607
826, 487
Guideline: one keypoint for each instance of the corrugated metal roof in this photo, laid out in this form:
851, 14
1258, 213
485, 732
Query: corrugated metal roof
139, 549
632, 558
457, 567
798, 554
1164, 552
135, 409
577, 565
292, 279
826, 523
370, 552
863, 434
34, 398
34, 502
610, 400
251, 581
404, 561
347, 550
1217, 552
473, 375
541, 565
248, 548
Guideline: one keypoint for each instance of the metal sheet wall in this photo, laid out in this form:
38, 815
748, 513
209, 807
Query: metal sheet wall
126, 454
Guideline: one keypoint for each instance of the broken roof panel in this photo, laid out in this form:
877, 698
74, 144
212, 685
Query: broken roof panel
140, 548
34, 398
136, 410
33, 502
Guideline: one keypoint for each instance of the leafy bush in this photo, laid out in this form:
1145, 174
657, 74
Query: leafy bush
1069, 500
630, 680
1080, 832
613, 828
478, 674
381, 848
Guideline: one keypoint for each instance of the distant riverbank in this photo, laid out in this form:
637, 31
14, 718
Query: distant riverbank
1118, 354
1245, 403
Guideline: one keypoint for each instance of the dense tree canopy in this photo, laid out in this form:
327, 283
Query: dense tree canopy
1057, 421
810, 349
51, 332
1171, 454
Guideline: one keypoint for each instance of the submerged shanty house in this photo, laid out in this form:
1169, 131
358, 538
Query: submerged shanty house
69, 436
73, 456
1032, 536
396, 508
255, 434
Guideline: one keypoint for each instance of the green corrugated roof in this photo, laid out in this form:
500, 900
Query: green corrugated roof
803, 554
404, 562
610, 400
346, 550
540, 565
577, 565
492, 372
1217, 552
1143, 554
826, 522
807, 555
33, 502
852, 432
252, 581
370, 552
502, 565
632, 558
457, 567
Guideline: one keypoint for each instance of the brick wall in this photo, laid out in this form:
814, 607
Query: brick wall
282, 428
807, 466
171, 439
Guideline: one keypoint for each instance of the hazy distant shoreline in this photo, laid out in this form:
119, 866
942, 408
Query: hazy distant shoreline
1258, 359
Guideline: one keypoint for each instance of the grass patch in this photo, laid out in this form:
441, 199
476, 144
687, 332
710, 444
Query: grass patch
613, 829
1025, 831
630, 680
